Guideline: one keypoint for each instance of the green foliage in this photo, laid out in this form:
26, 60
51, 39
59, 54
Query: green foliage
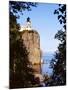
18, 7
61, 35
58, 63
61, 12
13, 23
21, 73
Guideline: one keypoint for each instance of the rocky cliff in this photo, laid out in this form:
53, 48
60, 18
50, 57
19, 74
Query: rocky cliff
31, 40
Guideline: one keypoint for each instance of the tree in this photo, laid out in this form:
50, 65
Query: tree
17, 8
21, 74
58, 63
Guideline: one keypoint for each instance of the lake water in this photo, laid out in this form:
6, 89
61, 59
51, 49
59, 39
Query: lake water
46, 66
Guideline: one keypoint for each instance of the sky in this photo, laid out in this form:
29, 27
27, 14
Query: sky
46, 23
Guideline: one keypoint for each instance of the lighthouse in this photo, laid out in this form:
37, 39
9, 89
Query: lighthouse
27, 25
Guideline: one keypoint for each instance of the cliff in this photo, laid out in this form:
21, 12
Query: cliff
31, 40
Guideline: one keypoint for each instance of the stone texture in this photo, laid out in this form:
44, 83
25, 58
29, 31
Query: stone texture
31, 40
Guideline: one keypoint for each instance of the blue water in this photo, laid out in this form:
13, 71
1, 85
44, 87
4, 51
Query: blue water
47, 57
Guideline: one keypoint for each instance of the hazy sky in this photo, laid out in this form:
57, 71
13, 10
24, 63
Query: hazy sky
46, 23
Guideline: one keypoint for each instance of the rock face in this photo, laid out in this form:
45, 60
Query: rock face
31, 40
